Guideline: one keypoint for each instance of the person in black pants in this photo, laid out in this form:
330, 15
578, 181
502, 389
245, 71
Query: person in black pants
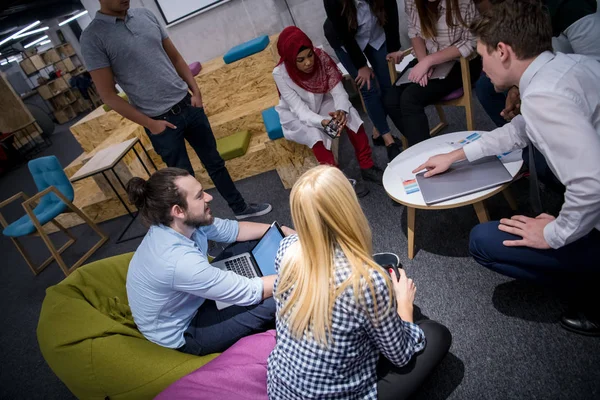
444, 37
345, 325
131, 48
358, 30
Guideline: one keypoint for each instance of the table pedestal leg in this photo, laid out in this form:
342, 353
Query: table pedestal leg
410, 216
482, 212
510, 199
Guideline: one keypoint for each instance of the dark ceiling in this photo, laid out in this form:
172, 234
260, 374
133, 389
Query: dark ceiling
17, 14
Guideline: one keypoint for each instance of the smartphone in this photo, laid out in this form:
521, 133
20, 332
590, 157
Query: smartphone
331, 129
395, 268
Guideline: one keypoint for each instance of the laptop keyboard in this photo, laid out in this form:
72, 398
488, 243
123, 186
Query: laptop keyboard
241, 266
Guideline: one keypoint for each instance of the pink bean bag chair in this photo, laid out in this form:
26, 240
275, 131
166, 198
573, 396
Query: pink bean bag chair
239, 373
195, 67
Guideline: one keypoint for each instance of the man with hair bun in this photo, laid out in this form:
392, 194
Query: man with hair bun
561, 119
171, 286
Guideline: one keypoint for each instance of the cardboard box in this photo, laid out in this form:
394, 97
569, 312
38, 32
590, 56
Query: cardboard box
45, 92
27, 66
69, 66
51, 56
65, 50
65, 66
38, 61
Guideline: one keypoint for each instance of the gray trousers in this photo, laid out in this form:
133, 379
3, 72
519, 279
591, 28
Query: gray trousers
582, 37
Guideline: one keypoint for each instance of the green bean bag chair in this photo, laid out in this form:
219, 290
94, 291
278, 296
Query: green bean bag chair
87, 335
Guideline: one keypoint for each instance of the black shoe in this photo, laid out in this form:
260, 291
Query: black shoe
379, 140
393, 150
254, 210
580, 322
359, 188
373, 174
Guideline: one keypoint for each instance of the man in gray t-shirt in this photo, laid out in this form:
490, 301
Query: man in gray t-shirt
131, 48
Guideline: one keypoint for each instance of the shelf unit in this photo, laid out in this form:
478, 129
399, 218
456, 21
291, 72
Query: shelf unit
66, 102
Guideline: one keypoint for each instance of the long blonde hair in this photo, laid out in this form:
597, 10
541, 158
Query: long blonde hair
326, 214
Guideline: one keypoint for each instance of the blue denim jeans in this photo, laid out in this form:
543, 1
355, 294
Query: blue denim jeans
213, 330
193, 126
373, 97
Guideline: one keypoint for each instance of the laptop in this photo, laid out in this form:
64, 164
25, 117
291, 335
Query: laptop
440, 71
260, 261
463, 178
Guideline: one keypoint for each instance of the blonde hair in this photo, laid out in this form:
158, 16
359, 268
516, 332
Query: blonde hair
326, 214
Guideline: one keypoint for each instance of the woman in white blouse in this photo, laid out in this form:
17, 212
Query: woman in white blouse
439, 33
311, 95
345, 329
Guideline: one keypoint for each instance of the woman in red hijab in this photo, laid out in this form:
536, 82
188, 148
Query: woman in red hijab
311, 95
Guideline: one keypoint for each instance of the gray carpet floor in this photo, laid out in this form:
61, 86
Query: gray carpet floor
506, 340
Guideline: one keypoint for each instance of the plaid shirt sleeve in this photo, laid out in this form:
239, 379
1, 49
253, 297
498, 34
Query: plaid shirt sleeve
412, 19
283, 246
467, 42
396, 339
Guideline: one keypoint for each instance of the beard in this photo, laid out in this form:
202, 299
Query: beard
194, 221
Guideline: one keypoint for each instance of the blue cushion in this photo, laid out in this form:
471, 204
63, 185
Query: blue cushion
46, 172
272, 123
24, 226
246, 49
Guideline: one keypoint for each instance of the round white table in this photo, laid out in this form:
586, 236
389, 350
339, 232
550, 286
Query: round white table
400, 170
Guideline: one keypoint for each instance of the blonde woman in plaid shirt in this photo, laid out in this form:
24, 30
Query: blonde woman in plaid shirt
338, 310
439, 32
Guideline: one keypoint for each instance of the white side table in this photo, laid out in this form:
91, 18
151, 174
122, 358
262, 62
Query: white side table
400, 169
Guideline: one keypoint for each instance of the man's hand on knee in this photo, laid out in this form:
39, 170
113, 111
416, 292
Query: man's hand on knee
530, 229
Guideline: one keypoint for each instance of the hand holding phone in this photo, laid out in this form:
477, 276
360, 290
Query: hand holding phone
394, 268
389, 262
331, 129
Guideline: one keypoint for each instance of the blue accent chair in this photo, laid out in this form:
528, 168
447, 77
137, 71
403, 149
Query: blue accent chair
272, 123
55, 197
246, 49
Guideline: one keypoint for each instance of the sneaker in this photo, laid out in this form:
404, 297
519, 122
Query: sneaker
392, 151
254, 210
373, 174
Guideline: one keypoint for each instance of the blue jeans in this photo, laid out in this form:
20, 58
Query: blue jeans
574, 267
193, 126
373, 97
213, 330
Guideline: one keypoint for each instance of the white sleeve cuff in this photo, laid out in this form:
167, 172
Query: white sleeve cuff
552, 237
473, 151
257, 290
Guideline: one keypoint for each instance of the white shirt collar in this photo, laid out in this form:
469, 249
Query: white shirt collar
533, 69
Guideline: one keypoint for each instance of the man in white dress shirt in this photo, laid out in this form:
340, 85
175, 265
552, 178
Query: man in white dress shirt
561, 118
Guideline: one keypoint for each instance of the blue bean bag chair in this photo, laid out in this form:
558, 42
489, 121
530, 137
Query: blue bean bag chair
246, 49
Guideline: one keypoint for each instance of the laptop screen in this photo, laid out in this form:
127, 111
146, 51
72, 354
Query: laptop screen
266, 249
